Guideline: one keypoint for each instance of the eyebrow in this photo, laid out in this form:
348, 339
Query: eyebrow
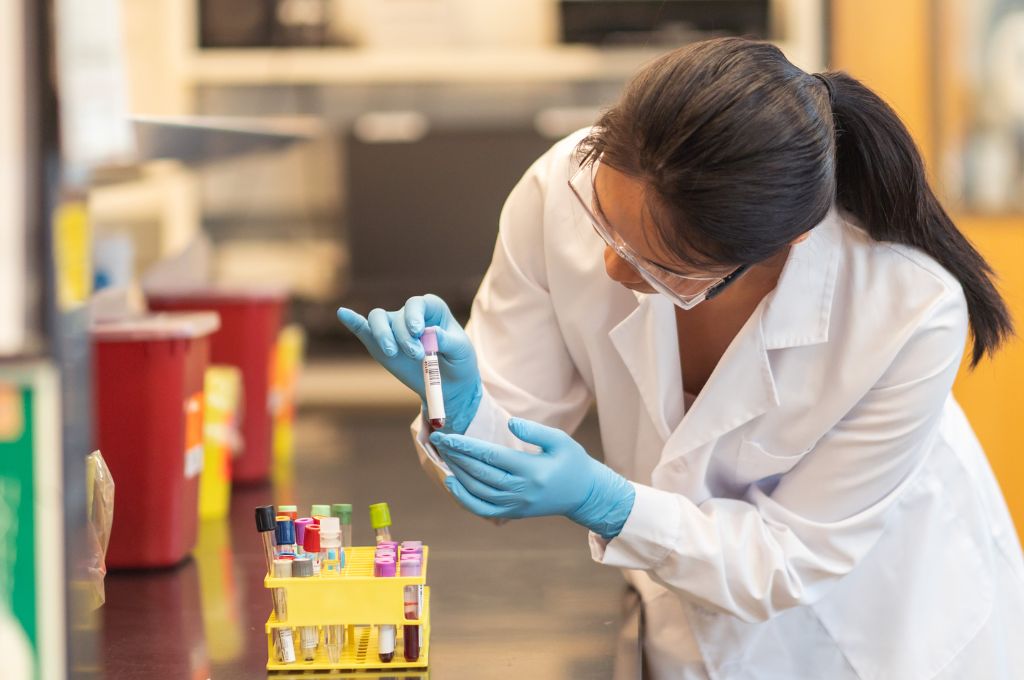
604, 216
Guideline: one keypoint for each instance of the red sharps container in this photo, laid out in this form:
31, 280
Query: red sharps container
250, 323
148, 387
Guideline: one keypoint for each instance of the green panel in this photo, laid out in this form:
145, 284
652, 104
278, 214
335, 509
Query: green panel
17, 522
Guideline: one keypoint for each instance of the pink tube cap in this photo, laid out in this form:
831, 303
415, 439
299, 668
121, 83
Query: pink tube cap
429, 339
384, 566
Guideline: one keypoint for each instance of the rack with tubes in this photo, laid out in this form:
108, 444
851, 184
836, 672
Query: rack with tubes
361, 602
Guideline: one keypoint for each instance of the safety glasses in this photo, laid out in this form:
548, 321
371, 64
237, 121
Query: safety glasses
684, 290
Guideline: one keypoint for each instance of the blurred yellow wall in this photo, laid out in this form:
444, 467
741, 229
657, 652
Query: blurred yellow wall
887, 45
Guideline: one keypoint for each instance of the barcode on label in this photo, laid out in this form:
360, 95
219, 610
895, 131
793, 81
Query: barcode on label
433, 374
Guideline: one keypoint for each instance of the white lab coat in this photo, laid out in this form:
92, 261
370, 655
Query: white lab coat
823, 510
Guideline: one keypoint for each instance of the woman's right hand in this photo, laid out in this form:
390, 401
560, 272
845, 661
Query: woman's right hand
392, 338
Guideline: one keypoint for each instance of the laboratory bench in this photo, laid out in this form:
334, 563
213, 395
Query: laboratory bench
523, 600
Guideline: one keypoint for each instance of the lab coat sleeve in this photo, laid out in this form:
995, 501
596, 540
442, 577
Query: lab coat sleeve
524, 363
775, 549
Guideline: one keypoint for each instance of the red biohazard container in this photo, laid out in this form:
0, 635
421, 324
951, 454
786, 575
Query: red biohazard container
249, 324
148, 387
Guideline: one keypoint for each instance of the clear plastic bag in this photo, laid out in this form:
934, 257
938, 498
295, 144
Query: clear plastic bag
100, 508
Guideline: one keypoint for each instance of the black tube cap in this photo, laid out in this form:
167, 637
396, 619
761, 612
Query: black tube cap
265, 518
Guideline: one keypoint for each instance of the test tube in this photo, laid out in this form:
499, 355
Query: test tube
291, 511
319, 511
311, 547
300, 533
384, 567
266, 525
330, 543
411, 547
343, 511
412, 566
432, 378
285, 536
283, 641
380, 520
309, 636
334, 641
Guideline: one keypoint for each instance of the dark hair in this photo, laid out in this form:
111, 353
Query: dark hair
743, 152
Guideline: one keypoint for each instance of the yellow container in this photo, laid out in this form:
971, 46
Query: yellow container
359, 600
222, 393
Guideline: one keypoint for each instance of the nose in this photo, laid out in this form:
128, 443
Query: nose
619, 270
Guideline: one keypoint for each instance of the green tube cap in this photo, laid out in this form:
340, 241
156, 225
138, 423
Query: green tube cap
380, 515
342, 511
287, 508
320, 511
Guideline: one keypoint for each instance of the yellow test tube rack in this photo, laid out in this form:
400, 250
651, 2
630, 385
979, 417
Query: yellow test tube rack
358, 600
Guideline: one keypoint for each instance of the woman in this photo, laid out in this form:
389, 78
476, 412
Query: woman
769, 319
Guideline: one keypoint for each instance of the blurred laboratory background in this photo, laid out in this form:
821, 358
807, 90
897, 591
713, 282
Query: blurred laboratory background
189, 190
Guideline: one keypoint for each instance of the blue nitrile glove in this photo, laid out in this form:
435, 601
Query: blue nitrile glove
496, 481
392, 338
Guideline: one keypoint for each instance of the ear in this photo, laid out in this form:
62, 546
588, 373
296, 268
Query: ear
801, 238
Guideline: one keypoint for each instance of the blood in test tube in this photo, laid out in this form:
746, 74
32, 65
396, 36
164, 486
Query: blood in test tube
432, 379
412, 566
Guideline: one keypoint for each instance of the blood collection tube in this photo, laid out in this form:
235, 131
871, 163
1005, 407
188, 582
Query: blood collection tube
432, 378
283, 641
330, 543
412, 566
343, 511
411, 548
384, 567
267, 527
311, 547
319, 511
291, 511
300, 533
334, 641
309, 636
285, 536
380, 520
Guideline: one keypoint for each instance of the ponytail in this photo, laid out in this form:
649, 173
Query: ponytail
880, 179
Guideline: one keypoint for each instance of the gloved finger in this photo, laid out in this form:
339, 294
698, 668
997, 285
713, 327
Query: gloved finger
436, 312
453, 345
494, 455
409, 344
380, 327
356, 324
547, 438
471, 502
493, 477
478, 487
415, 311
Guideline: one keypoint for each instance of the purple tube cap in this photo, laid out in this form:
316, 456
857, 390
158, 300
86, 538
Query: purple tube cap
429, 339
411, 566
300, 529
384, 566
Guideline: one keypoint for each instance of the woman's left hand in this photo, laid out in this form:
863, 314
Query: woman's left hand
496, 481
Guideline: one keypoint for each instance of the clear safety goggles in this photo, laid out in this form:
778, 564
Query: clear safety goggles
684, 290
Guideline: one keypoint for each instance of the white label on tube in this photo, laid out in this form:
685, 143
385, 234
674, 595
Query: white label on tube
386, 639
432, 385
287, 645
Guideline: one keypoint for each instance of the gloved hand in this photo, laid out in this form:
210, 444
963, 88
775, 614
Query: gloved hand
496, 481
392, 338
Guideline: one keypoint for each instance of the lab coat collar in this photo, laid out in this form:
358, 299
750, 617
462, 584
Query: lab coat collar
742, 386
798, 311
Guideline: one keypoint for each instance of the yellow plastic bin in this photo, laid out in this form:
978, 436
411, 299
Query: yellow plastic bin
221, 438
